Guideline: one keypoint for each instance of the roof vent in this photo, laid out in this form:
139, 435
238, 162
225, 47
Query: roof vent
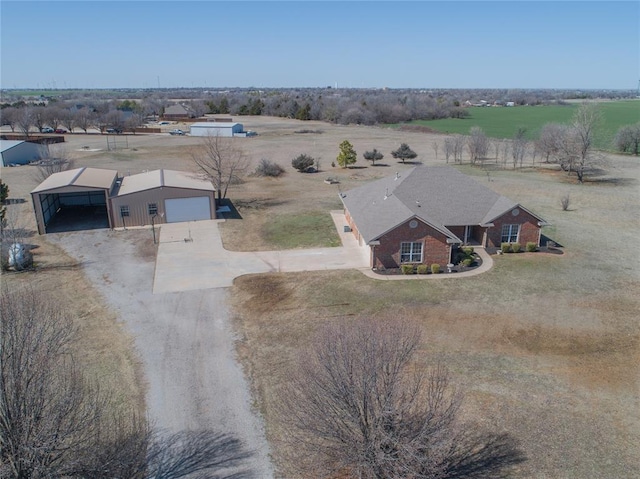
418, 203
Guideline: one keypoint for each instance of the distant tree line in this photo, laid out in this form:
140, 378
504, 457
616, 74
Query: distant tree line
100, 109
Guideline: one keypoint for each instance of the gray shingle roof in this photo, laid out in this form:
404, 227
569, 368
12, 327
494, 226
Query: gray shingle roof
439, 195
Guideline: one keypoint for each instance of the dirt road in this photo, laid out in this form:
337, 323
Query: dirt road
184, 340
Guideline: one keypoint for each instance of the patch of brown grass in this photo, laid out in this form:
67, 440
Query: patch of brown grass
104, 349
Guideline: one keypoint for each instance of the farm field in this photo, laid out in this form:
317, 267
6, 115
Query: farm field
503, 122
547, 347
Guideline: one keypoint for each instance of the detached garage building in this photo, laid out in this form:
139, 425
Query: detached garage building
20, 152
90, 198
211, 128
167, 196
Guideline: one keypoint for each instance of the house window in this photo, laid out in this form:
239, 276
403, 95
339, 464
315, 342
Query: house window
510, 233
153, 208
124, 211
411, 252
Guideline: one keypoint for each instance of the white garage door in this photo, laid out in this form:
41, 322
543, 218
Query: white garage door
187, 209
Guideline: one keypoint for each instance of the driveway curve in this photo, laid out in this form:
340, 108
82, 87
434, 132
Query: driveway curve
184, 340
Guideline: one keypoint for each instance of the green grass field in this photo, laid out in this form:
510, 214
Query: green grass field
504, 122
314, 229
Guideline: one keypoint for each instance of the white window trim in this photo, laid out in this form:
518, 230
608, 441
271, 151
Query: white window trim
411, 252
509, 233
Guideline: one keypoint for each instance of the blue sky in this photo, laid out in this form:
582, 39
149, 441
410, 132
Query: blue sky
417, 44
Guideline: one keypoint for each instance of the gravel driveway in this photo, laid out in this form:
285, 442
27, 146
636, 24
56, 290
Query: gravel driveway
184, 340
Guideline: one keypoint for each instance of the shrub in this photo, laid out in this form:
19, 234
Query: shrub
505, 247
467, 262
406, 268
422, 269
303, 162
435, 268
565, 201
531, 247
515, 248
468, 251
268, 168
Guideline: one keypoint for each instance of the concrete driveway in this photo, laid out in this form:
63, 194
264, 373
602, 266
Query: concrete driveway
191, 257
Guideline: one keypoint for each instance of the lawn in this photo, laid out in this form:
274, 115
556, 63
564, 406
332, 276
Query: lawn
312, 229
503, 122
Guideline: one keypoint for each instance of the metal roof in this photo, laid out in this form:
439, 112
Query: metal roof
8, 144
440, 196
83, 177
215, 124
163, 178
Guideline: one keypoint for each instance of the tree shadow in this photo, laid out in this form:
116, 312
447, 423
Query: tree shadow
416, 162
381, 165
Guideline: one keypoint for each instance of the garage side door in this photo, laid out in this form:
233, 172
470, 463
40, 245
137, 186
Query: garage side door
187, 209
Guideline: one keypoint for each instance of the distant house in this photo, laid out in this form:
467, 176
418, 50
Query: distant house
13, 152
510, 103
420, 216
177, 112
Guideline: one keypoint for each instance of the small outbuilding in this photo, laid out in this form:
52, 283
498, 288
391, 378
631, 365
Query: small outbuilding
162, 196
217, 128
91, 198
14, 152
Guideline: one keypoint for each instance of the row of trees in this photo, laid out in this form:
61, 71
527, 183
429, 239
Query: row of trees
28, 118
55, 422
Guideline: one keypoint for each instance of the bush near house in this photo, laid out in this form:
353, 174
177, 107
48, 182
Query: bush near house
505, 247
515, 247
406, 268
531, 247
435, 268
422, 269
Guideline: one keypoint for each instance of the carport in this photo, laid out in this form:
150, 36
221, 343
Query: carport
74, 200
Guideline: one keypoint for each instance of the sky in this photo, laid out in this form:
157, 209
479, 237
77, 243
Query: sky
357, 44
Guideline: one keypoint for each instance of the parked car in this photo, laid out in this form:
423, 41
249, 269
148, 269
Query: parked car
60, 131
47, 129
114, 130
164, 123
176, 132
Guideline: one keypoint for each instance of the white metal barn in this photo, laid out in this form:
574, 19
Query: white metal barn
20, 152
215, 128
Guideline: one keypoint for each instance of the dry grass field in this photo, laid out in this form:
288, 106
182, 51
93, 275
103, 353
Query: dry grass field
547, 347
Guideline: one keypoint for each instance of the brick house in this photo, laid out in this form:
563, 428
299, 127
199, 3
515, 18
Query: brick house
422, 215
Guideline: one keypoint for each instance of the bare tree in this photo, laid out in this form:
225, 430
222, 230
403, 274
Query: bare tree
53, 116
10, 116
565, 201
477, 144
84, 119
25, 120
220, 161
55, 158
54, 424
458, 147
68, 119
435, 145
39, 117
46, 408
448, 148
359, 407
519, 147
584, 124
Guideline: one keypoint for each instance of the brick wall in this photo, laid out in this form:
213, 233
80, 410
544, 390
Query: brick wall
434, 250
529, 229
